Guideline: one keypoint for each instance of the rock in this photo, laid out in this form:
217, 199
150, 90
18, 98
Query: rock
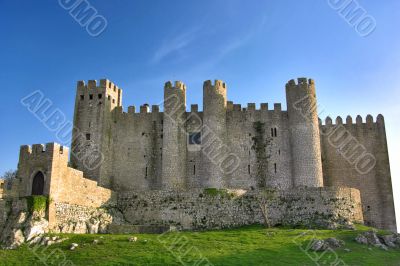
347, 250
372, 237
330, 243
103, 228
36, 240
96, 241
388, 240
334, 243
73, 246
317, 245
60, 240
50, 242
133, 239
381, 246
80, 228
332, 226
93, 227
44, 241
21, 218
361, 239
349, 226
35, 228
17, 239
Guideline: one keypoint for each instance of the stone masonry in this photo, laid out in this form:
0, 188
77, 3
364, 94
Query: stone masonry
155, 166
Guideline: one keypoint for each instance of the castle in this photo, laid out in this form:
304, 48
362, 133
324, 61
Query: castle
169, 159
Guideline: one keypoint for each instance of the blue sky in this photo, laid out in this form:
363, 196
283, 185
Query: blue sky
255, 46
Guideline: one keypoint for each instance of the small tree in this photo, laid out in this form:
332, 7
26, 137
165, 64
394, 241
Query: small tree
9, 175
265, 198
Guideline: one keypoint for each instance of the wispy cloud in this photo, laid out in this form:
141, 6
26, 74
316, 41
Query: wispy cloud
182, 45
175, 44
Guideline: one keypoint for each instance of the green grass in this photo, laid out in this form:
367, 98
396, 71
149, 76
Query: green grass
252, 245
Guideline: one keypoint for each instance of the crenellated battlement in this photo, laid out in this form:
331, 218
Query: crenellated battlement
176, 85
252, 107
217, 83
40, 150
94, 84
300, 81
349, 121
99, 91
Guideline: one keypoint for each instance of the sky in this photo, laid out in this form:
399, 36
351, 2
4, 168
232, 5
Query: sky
254, 46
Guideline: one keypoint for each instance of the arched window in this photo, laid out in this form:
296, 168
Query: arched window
38, 184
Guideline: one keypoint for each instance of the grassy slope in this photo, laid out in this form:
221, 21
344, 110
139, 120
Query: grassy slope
245, 246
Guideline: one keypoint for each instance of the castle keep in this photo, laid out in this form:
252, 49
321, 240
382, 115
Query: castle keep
158, 163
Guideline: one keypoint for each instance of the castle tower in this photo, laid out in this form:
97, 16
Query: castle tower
91, 145
174, 136
304, 133
213, 135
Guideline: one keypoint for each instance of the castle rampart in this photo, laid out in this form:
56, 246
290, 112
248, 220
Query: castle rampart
157, 149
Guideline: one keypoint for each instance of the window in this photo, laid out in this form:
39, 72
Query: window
194, 169
113, 101
87, 136
195, 138
248, 168
100, 96
109, 97
82, 97
91, 96
275, 167
146, 172
274, 132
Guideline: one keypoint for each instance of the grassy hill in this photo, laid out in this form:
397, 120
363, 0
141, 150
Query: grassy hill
244, 246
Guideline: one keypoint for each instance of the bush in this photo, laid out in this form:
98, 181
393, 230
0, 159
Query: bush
37, 203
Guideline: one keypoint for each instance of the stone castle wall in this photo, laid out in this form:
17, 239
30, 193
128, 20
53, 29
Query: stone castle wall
200, 209
148, 150
356, 155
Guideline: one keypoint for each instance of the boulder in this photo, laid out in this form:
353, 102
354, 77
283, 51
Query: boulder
334, 243
16, 239
35, 228
330, 243
317, 245
73, 246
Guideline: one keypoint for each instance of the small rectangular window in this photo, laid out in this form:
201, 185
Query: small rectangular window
194, 169
272, 132
109, 97
146, 172
91, 96
275, 167
82, 97
113, 101
195, 138
100, 96
248, 168
275, 133
87, 136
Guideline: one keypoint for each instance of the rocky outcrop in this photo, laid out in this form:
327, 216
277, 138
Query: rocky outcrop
21, 228
330, 243
380, 241
85, 220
